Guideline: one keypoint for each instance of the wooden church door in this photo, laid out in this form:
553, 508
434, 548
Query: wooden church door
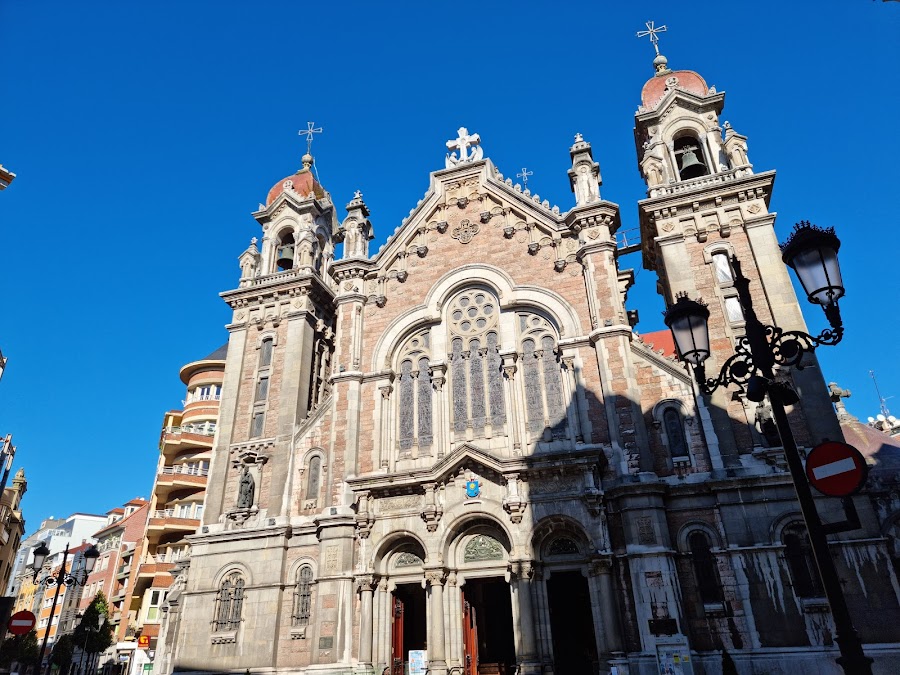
397, 637
470, 638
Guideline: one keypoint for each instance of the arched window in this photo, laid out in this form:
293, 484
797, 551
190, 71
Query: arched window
475, 371
229, 603
689, 154
674, 427
544, 405
802, 565
302, 597
722, 266
313, 478
706, 572
265, 353
414, 397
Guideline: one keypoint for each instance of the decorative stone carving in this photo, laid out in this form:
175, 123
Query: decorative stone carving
483, 547
401, 502
246, 490
407, 559
365, 582
563, 546
465, 231
462, 144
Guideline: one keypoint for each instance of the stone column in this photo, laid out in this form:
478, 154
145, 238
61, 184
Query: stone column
439, 410
385, 419
455, 628
601, 569
512, 400
524, 572
436, 653
365, 585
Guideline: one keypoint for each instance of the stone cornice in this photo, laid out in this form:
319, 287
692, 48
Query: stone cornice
707, 193
688, 100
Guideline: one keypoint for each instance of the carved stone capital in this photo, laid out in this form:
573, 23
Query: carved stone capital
365, 582
435, 577
601, 565
386, 391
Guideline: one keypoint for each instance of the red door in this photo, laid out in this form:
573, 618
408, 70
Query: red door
397, 637
470, 639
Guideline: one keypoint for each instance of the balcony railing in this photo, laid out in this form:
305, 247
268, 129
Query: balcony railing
171, 513
185, 469
202, 429
202, 397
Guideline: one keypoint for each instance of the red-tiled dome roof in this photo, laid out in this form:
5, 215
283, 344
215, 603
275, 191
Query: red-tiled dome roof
686, 79
303, 184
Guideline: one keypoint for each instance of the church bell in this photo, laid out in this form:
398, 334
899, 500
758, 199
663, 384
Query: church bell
285, 258
691, 167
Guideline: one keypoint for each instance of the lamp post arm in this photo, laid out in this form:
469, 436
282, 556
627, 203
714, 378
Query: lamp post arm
852, 659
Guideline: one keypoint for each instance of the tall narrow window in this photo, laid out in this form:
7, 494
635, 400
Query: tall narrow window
705, 571
802, 565
545, 404
265, 353
495, 381
256, 426
423, 403
674, 426
476, 384
229, 603
458, 375
302, 597
262, 388
724, 273
406, 396
314, 477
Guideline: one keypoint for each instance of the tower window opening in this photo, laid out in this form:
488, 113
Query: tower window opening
705, 570
798, 553
265, 353
674, 428
689, 155
284, 257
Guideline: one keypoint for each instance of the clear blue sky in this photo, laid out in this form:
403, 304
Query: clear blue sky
144, 135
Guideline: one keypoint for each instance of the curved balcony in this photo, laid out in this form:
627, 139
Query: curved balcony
198, 435
166, 520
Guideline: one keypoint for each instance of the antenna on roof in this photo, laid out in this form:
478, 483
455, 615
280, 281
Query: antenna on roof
881, 399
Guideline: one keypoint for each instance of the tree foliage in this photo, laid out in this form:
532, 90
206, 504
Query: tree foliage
19, 648
61, 656
96, 640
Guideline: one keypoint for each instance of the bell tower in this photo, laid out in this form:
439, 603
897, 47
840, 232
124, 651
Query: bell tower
706, 206
279, 352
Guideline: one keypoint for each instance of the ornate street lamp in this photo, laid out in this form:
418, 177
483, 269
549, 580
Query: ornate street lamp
62, 578
812, 253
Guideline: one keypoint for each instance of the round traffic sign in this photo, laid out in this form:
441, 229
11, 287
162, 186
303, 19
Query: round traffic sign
21, 622
836, 469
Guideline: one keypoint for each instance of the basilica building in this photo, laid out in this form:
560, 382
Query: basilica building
457, 453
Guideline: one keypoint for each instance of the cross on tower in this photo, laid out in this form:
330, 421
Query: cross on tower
308, 132
524, 175
652, 32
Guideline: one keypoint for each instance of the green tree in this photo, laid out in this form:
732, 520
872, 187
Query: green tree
61, 656
19, 648
86, 632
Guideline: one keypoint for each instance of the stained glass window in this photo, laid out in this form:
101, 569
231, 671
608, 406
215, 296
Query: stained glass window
302, 597
229, 603
424, 403
675, 433
705, 570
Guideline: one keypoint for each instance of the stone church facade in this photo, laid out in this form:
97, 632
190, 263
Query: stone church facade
460, 444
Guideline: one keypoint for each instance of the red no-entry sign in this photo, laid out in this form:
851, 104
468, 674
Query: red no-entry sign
21, 622
836, 469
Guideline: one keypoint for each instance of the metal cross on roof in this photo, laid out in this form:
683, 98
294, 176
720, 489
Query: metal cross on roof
524, 175
308, 132
652, 32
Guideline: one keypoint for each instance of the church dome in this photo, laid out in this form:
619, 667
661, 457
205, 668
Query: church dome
656, 86
301, 182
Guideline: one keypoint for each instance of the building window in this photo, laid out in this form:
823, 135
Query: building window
156, 599
802, 565
302, 597
722, 266
313, 478
262, 388
265, 353
706, 572
229, 603
256, 427
476, 374
414, 397
545, 408
674, 427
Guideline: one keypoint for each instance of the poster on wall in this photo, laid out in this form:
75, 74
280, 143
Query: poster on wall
674, 659
418, 661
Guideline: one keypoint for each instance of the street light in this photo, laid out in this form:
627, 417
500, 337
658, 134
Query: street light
101, 619
812, 253
62, 578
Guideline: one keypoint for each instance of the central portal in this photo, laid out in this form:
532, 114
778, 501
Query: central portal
407, 625
488, 642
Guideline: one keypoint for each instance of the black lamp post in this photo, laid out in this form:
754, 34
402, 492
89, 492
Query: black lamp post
62, 578
88, 630
812, 253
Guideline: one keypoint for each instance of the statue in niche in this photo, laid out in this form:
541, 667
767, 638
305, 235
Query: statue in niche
353, 240
246, 489
765, 425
